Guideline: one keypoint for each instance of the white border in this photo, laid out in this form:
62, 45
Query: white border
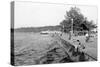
5, 32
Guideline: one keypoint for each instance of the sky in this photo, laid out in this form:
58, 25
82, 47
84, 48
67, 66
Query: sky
30, 14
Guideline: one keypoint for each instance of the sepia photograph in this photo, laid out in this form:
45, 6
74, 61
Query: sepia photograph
52, 33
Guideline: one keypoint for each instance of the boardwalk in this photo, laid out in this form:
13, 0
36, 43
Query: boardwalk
69, 48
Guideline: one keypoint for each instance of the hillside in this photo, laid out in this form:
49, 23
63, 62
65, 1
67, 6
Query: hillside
37, 29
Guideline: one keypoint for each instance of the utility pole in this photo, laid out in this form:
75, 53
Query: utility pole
71, 32
72, 25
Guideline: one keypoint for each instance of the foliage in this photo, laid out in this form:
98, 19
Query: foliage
76, 18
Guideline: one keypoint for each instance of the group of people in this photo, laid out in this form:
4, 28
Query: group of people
80, 46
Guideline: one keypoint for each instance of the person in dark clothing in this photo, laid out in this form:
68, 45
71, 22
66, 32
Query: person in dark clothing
82, 57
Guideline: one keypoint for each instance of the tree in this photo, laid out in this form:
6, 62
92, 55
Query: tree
80, 22
66, 25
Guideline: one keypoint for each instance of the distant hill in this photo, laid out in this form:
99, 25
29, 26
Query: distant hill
37, 29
